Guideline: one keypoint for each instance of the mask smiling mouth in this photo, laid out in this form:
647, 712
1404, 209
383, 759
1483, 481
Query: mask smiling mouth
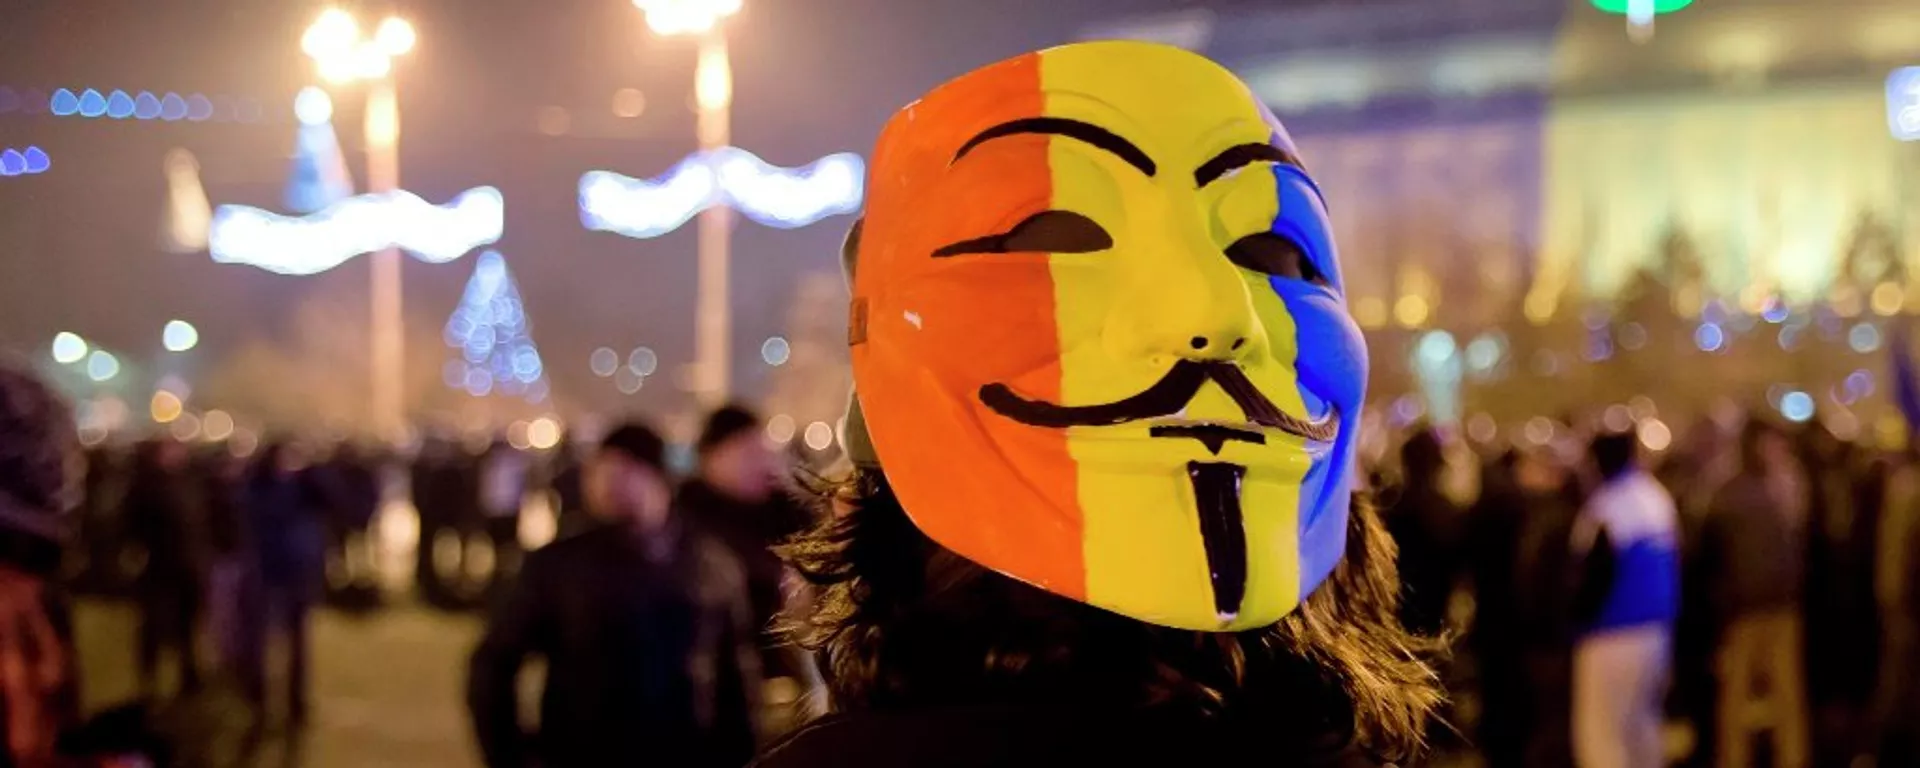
1216, 485
1167, 398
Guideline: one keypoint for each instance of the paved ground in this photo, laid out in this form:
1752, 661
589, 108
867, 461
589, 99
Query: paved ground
387, 689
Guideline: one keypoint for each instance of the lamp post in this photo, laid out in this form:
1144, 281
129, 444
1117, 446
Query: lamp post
713, 93
343, 56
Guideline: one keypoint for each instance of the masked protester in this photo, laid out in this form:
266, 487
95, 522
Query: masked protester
38, 472
645, 629
1107, 397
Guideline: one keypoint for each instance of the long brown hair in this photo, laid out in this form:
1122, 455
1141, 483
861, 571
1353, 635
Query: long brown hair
905, 623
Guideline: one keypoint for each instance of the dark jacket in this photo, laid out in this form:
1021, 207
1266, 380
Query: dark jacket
285, 530
647, 663
165, 516
750, 531
1754, 547
1020, 737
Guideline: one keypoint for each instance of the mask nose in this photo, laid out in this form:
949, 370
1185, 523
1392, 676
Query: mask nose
1187, 302
1215, 347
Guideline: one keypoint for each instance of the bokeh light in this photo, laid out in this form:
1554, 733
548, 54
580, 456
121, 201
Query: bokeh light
102, 366
1481, 428
1616, 418
1633, 336
179, 336
1886, 299
628, 381
643, 361
1863, 338
313, 106
395, 36
186, 428
1539, 430
1709, 337
603, 361
68, 348
1655, 435
629, 103
24, 162
819, 436
781, 428
1436, 348
1796, 406
776, 351
165, 407
543, 433
216, 425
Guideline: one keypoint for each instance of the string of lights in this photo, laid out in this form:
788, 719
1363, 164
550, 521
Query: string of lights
358, 225
785, 198
142, 105
27, 162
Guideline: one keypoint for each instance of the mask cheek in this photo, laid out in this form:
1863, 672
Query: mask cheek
1332, 359
974, 325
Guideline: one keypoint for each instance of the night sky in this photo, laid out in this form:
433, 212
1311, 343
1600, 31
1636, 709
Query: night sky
79, 244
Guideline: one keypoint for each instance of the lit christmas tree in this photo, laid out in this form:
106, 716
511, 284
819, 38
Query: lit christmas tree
319, 177
491, 333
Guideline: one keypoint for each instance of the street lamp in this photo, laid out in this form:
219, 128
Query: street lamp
343, 55
713, 92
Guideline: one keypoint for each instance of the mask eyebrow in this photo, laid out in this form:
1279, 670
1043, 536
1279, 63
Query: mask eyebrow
1240, 157
1094, 135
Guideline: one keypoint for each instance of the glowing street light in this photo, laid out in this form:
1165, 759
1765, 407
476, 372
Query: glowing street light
686, 17
342, 55
713, 93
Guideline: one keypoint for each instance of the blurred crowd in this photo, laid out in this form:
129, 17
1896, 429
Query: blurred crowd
1749, 597
230, 552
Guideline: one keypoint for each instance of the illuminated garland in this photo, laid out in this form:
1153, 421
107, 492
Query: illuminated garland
771, 195
32, 160
358, 225
146, 105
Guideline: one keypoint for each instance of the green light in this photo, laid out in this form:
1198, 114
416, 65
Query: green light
1659, 6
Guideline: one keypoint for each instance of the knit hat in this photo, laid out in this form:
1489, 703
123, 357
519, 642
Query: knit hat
727, 423
638, 442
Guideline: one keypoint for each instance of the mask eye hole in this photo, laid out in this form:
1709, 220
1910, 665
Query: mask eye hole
1043, 232
1276, 255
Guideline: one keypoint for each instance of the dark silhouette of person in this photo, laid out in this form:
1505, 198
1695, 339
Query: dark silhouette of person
644, 626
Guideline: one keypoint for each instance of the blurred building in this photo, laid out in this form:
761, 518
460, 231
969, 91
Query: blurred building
1481, 151
1488, 160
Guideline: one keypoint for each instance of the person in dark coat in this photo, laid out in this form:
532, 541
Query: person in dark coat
166, 516
1524, 582
286, 507
353, 498
38, 455
1104, 505
736, 496
565, 484
645, 629
1424, 523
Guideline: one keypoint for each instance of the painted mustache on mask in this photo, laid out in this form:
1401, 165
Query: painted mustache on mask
1165, 398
